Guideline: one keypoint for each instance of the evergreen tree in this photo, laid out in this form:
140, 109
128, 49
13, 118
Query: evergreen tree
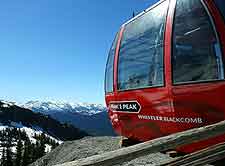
32, 152
27, 158
54, 144
42, 148
9, 154
9, 161
19, 149
42, 144
3, 160
36, 153
25, 154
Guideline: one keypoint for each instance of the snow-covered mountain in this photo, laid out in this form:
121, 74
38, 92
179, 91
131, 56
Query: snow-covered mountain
26, 135
30, 132
91, 118
54, 107
21, 144
10, 112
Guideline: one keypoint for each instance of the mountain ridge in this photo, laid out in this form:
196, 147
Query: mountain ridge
13, 113
91, 118
54, 106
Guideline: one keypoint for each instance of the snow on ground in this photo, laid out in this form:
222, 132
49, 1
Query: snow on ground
48, 148
29, 131
7, 104
54, 106
13, 149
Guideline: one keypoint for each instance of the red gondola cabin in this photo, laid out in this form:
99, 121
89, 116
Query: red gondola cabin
165, 71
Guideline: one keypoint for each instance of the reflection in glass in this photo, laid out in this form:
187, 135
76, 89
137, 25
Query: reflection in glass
196, 51
141, 51
109, 67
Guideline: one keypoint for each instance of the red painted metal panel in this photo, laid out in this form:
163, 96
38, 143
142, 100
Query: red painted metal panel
155, 102
170, 109
205, 100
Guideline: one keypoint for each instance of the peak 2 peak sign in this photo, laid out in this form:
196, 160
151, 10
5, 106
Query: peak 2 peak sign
125, 106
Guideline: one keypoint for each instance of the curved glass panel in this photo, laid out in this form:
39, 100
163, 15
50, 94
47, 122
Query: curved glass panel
197, 54
109, 67
141, 51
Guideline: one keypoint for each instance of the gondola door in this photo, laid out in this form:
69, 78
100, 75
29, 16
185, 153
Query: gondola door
197, 68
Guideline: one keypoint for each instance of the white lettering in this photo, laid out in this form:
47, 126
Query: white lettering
187, 120
114, 106
171, 119
134, 106
200, 120
195, 120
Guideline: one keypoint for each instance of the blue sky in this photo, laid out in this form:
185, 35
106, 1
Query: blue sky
57, 49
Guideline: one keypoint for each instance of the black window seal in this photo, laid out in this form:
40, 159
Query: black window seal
221, 14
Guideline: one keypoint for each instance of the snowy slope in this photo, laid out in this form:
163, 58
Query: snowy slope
30, 118
31, 132
92, 118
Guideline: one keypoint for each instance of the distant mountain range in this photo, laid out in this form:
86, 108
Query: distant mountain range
54, 107
92, 118
11, 114
26, 135
41, 126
